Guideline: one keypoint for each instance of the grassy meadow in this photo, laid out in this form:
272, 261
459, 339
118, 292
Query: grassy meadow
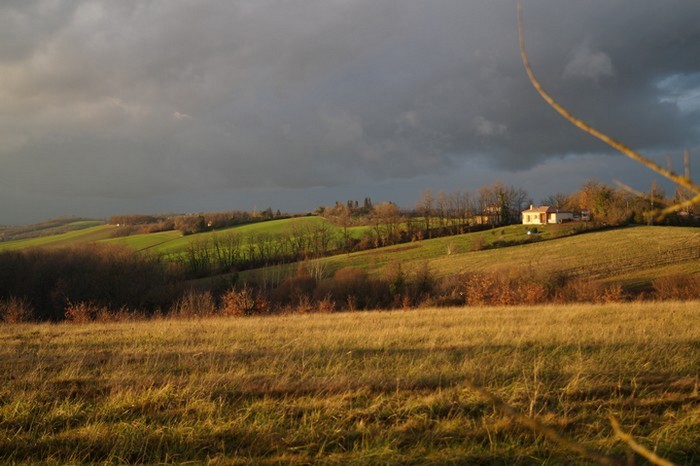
353, 388
88, 234
173, 241
632, 255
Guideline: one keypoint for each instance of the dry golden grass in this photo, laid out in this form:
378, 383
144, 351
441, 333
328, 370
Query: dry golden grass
382, 387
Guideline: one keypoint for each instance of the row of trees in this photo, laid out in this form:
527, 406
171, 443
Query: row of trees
434, 214
231, 251
450, 213
189, 223
621, 206
492, 205
109, 275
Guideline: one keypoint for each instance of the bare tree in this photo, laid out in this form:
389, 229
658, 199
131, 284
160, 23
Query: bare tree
425, 208
558, 200
387, 221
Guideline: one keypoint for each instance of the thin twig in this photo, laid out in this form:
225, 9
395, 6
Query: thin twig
680, 180
639, 449
536, 426
636, 193
660, 214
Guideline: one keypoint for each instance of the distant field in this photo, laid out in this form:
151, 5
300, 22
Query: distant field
272, 227
145, 241
169, 242
356, 388
632, 254
90, 234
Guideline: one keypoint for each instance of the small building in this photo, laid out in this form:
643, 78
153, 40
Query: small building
545, 214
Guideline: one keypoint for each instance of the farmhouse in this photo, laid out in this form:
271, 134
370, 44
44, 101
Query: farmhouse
545, 214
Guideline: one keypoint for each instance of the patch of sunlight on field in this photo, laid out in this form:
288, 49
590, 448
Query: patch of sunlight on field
378, 387
605, 253
145, 241
86, 235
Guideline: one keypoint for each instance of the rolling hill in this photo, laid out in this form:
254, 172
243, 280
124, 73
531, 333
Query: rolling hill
90, 234
171, 242
634, 255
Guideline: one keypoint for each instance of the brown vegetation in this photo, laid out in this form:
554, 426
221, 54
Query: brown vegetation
108, 276
355, 388
100, 282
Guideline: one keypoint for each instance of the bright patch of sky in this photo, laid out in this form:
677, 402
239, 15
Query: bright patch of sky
683, 90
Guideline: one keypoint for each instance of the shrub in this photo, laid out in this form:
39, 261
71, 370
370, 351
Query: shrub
480, 289
15, 310
611, 294
423, 283
293, 288
396, 280
83, 312
350, 285
194, 304
494, 288
244, 301
326, 305
677, 287
589, 291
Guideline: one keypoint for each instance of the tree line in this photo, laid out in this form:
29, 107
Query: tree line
189, 224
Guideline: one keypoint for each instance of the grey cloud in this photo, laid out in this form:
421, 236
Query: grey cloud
588, 64
150, 97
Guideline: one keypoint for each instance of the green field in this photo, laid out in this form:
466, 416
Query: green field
50, 227
90, 234
169, 242
634, 254
357, 388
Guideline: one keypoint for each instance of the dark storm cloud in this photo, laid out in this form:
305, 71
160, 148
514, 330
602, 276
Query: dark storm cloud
140, 98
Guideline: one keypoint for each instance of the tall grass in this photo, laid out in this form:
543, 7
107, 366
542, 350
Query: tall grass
380, 387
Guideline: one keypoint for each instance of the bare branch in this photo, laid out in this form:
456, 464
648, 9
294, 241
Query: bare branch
638, 194
536, 426
652, 457
680, 180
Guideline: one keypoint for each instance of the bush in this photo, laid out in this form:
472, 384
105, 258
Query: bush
292, 289
588, 291
502, 289
194, 304
244, 301
677, 287
15, 310
83, 312
349, 286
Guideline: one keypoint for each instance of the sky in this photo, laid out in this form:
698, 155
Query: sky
146, 106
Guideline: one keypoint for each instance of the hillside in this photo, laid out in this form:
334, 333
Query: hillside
90, 234
51, 227
169, 242
632, 254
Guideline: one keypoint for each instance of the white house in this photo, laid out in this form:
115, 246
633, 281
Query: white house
545, 214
